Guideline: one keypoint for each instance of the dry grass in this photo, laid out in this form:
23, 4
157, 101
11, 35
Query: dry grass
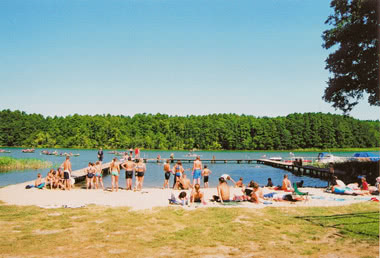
97, 231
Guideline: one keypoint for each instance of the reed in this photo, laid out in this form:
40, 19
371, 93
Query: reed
9, 163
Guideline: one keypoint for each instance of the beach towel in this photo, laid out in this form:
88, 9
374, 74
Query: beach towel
318, 197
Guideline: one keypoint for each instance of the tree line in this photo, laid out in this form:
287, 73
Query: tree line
214, 132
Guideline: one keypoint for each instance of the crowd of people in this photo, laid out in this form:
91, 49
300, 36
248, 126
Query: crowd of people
61, 179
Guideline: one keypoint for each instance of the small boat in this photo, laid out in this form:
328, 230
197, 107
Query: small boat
112, 152
28, 150
275, 158
4, 151
325, 157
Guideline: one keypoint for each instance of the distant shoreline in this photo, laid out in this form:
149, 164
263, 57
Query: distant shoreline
141, 149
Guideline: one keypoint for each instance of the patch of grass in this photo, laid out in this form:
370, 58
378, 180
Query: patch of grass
9, 163
173, 232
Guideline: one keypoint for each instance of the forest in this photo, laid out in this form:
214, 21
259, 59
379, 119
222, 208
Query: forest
206, 132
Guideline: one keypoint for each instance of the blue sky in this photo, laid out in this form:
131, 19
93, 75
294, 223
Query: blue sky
261, 58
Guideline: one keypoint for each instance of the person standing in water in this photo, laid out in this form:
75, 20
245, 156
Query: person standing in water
197, 171
115, 172
167, 171
67, 173
206, 173
129, 166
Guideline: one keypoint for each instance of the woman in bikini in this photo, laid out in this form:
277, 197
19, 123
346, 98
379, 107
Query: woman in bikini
178, 170
90, 175
140, 169
115, 172
98, 174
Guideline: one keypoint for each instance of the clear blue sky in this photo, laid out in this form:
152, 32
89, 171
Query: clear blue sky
261, 58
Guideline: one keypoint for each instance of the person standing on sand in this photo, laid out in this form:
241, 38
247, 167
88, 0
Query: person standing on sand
206, 173
98, 175
140, 169
100, 155
167, 171
197, 171
129, 166
67, 173
115, 172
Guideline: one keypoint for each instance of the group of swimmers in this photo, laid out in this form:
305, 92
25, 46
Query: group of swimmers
180, 178
130, 167
56, 179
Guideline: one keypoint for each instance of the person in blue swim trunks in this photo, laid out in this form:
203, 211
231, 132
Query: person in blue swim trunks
197, 171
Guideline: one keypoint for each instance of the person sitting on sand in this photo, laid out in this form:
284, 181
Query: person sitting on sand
58, 182
223, 191
50, 179
39, 182
364, 186
257, 194
182, 199
206, 173
184, 183
239, 183
286, 184
270, 183
197, 195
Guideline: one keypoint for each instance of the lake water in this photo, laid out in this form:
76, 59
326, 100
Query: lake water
154, 176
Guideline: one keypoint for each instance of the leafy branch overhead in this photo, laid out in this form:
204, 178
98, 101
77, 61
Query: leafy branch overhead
354, 63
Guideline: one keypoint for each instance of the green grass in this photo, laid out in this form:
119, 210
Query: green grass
9, 163
351, 231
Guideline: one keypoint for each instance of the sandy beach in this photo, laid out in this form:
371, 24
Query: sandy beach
154, 197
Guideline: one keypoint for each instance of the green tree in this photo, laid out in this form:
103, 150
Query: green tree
355, 64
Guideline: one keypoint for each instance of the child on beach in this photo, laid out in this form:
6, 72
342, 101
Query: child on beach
90, 175
98, 175
206, 173
39, 183
178, 171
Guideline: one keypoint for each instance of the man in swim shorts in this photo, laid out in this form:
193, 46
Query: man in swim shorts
167, 171
197, 171
67, 173
129, 166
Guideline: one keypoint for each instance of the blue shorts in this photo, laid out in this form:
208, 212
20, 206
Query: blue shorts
197, 174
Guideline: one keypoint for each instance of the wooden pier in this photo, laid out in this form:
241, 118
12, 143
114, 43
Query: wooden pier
321, 173
310, 171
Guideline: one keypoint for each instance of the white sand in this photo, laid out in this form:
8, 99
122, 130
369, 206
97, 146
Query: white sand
151, 197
